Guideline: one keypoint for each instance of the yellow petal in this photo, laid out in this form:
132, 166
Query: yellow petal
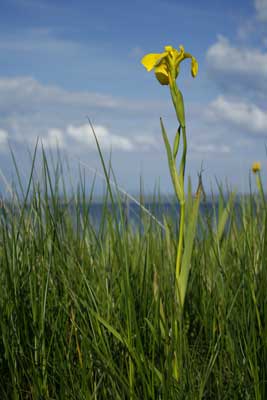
168, 48
150, 60
161, 73
180, 55
194, 67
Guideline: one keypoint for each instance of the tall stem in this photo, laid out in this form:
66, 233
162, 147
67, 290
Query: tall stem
182, 208
180, 241
183, 160
178, 103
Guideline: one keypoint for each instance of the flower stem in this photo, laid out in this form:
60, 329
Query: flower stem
178, 103
180, 241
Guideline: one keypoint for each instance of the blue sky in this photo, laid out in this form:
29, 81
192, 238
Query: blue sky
63, 61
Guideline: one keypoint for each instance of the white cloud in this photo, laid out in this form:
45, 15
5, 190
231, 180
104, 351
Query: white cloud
261, 9
211, 148
29, 109
145, 141
25, 94
240, 114
80, 138
3, 139
54, 139
223, 57
84, 135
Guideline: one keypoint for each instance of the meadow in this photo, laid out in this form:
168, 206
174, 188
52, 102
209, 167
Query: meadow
89, 312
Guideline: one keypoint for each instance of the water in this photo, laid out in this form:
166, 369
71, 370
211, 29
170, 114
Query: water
137, 218
133, 214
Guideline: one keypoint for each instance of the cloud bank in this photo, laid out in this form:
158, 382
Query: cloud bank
261, 9
240, 114
223, 57
31, 110
238, 69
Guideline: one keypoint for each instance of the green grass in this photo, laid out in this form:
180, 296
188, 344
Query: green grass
89, 313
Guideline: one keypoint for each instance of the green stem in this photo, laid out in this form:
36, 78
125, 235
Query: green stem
178, 103
182, 211
183, 160
180, 241
260, 187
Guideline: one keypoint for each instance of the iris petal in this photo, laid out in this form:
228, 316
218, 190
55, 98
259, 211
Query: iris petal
194, 67
150, 60
161, 73
168, 48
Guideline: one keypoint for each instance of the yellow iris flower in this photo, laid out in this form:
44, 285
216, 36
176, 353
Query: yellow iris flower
256, 166
167, 63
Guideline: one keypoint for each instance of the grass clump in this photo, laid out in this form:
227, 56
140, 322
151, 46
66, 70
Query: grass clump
88, 313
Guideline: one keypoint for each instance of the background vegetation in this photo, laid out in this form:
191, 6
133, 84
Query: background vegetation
88, 313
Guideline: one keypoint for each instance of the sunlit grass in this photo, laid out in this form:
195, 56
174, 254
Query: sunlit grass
88, 313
